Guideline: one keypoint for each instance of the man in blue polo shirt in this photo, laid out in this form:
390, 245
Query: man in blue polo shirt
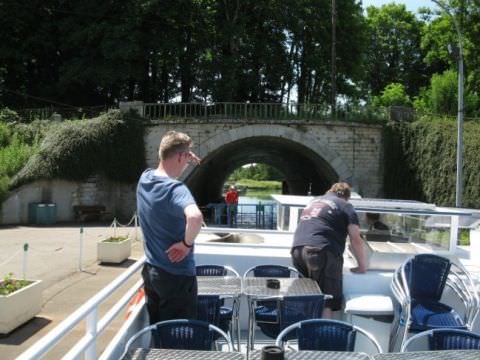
319, 242
170, 222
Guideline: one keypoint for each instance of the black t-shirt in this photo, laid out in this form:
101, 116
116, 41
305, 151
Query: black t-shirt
324, 222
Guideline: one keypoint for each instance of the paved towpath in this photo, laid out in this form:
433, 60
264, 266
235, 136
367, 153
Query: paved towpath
53, 256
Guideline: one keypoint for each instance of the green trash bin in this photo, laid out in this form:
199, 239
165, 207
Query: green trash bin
32, 213
42, 213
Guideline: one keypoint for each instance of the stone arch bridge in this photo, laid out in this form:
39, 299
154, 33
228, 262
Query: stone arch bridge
306, 151
297, 140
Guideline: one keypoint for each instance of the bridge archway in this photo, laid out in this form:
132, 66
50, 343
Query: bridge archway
295, 153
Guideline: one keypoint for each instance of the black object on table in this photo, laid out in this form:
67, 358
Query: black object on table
273, 283
272, 352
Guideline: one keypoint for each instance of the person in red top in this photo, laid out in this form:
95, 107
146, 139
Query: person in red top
231, 198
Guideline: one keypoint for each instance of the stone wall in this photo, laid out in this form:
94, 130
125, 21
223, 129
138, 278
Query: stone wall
118, 199
355, 151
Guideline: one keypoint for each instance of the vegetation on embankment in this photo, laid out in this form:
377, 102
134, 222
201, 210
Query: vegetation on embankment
18, 142
257, 177
259, 184
420, 161
111, 145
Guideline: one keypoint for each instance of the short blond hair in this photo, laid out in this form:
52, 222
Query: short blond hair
172, 143
341, 189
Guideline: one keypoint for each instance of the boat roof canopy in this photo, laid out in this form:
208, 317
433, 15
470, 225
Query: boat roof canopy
381, 205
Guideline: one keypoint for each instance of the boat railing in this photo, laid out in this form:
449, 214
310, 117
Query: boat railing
89, 312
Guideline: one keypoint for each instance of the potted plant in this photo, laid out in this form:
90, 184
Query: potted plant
114, 249
20, 301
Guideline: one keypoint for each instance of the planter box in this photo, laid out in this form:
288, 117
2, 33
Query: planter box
20, 306
114, 252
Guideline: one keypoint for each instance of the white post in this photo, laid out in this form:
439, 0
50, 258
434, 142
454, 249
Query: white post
114, 227
80, 257
453, 233
25, 253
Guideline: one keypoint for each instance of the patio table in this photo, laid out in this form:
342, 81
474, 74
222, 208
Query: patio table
171, 354
314, 355
431, 355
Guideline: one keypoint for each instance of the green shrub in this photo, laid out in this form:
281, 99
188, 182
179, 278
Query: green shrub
111, 144
9, 285
34, 132
441, 96
14, 156
5, 134
115, 239
8, 116
394, 94
444, 93
4, 182
420, 161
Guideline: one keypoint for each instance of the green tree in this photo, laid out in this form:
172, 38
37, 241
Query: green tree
394, 54
393, 95
440, 34
441, 96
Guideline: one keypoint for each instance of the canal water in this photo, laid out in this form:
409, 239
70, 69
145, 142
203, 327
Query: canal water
256, 197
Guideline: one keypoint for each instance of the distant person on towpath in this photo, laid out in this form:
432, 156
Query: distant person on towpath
231, 198
170, 221
319, 243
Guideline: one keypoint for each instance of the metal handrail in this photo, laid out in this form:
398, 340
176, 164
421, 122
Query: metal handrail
88, 312
240, 110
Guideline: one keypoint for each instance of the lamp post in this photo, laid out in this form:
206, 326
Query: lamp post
459, 180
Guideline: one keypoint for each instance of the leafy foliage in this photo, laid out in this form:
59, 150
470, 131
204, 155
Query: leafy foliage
420, 161
394, 54
393, 95
441, 96
14, 156
256, 172
259, 184
18, 142
111, 144
8, 116
9, 285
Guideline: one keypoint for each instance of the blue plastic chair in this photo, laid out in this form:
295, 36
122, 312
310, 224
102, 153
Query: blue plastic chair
181, 334
324, 335
288, 310
208, 309
266, 309
226, 312
418, 286
447, 339
272, 271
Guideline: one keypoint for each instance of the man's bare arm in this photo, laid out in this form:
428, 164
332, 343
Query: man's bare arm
194, 219
358, 248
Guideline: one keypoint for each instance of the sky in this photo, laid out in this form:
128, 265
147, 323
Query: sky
412, 5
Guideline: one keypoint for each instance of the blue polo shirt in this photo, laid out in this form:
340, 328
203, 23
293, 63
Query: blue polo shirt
160, 204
